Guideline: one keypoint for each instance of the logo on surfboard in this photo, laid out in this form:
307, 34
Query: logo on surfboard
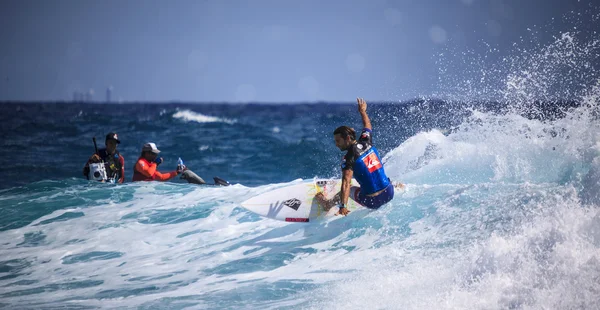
293, 203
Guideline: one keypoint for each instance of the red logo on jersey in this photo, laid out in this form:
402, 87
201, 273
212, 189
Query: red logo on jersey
372, 162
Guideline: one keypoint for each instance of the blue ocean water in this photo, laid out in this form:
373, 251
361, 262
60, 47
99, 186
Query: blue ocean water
500, 211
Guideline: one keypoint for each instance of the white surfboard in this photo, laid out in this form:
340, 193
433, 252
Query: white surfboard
297, 203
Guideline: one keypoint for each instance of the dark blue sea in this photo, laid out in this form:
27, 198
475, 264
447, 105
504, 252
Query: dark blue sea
500, 210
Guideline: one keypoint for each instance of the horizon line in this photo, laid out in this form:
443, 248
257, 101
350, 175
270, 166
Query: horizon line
422, 98
206, 102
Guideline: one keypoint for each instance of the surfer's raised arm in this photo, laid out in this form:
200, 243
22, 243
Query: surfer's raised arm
362, 109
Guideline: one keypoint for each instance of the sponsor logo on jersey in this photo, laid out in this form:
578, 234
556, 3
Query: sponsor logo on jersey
372, 162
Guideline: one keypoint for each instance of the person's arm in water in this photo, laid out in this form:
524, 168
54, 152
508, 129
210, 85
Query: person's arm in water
165, 176
362, 109
150, 171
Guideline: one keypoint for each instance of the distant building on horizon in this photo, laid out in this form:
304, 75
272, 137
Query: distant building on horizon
108, 94
89, 96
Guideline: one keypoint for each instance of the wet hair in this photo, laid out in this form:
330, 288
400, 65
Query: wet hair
345, 131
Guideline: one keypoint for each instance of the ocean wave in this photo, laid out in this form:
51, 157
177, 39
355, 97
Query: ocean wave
190, 116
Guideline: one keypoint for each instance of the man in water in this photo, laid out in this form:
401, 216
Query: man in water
361, 161
114, 161
145, 168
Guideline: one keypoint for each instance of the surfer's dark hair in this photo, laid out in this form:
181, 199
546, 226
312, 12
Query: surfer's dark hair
345, 131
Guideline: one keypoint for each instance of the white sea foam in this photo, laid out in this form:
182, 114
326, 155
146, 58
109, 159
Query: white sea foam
190, 116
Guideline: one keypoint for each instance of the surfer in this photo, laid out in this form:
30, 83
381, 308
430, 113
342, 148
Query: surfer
361, 161
113, 160
145, 168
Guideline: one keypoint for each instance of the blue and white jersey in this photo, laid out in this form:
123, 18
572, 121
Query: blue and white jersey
364, 160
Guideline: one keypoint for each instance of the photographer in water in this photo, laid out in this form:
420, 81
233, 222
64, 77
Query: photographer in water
145, 168
113, 160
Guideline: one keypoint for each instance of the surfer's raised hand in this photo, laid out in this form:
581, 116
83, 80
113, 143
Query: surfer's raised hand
362, 105
362, 109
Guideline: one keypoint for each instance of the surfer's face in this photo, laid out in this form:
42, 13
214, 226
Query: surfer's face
341, 143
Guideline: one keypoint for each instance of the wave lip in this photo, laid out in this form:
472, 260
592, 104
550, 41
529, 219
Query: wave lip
190, 116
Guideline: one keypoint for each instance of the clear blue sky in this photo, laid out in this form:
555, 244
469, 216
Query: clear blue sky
255, 50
